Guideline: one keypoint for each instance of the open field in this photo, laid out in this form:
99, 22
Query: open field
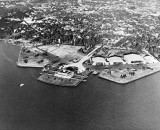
64, 52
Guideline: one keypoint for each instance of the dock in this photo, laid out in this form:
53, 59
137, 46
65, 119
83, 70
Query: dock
74, 81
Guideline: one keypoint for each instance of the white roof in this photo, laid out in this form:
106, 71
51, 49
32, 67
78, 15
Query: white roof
115, 59
29, 20
133, 57
150, 59
98, 59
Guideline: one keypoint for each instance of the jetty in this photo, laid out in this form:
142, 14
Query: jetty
73, 81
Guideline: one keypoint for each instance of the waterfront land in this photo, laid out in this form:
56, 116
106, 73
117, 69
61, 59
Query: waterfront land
27, 104
67, 32
116, 75
115, 64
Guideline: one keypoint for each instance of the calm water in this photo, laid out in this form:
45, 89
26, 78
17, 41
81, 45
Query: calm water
94, 105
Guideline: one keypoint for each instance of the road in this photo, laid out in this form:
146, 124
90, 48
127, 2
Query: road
79, 64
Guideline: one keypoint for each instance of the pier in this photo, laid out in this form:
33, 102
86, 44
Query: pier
74, 81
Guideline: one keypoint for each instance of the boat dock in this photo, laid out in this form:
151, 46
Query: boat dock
74, 81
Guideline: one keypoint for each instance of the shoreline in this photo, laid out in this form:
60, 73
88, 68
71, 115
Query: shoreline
142, 74
102, 74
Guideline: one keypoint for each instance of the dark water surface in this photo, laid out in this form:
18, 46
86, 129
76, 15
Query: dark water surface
94, 105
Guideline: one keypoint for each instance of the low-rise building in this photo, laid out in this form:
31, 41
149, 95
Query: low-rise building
115, 60
134, 59
150, 59
99, 61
